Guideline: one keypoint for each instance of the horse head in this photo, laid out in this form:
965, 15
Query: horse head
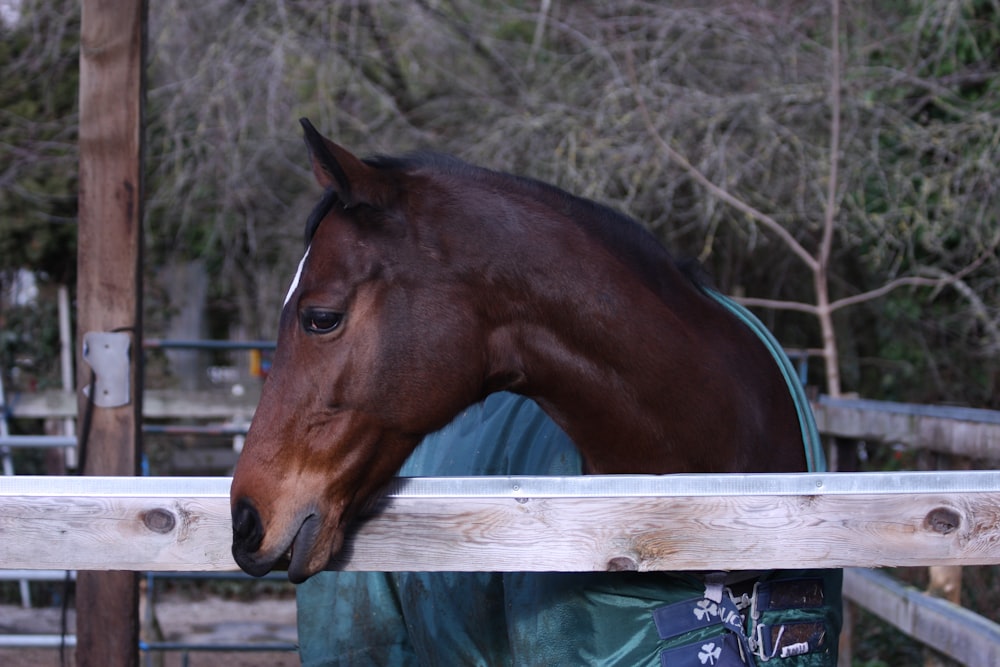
377, 346
428, 284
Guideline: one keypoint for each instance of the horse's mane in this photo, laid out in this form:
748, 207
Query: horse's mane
625, 237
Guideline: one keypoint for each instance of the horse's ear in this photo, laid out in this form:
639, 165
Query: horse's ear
337, 168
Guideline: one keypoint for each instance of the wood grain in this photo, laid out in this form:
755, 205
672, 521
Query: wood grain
975, 439
762, 531
961, 634
109, 288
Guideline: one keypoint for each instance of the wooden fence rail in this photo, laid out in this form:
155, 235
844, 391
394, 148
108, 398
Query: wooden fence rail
672, 522
951, 630
962, 431
951, 430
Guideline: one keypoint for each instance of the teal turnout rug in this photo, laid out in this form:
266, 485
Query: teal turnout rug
784, 618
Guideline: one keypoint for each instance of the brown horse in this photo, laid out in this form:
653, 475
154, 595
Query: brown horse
428, 284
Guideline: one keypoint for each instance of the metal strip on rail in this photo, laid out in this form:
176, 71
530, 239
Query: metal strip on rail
25, 441
594, 486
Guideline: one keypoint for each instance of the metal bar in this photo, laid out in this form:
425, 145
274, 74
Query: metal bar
589, 486
164, 343
222, 430
801, 360
37, 641
271, 647
277, 576
37, 575
18, 441
697, 485
69, 641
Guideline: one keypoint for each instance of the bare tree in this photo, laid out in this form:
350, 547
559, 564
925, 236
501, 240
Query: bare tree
818, 261
814, 161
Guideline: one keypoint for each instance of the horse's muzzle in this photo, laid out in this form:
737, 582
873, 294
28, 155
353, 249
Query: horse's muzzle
248, 534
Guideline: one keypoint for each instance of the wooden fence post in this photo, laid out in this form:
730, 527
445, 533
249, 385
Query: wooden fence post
843, 457
109, 291
945, 581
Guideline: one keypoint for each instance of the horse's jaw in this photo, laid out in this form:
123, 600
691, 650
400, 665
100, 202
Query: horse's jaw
303, 542
297, 513
302, 559
312, 548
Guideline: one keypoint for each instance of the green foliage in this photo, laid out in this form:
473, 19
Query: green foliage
29, 346
878, 644
38, 164
743, 93
927, 204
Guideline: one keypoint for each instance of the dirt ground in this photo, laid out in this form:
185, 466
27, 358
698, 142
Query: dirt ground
181, 618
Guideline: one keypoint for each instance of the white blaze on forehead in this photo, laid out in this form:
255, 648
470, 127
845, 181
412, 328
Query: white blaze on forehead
295, 280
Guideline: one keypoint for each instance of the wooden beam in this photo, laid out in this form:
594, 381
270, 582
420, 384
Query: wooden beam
674, 522
109, 289
974, 433
957, 431
156, 404
950, 629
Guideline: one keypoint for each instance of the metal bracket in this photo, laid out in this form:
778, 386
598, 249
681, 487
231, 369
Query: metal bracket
108, 354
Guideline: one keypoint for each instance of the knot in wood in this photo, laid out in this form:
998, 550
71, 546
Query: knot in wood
159, 520
942, 520
622, 564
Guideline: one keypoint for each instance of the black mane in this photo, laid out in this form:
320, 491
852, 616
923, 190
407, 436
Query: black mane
320, 211
625, 237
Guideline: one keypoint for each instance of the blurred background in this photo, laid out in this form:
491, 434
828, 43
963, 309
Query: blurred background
835, 164
591, 96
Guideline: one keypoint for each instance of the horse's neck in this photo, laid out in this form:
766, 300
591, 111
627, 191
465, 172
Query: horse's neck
641, 387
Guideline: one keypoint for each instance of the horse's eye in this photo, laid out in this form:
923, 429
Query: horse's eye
318, 321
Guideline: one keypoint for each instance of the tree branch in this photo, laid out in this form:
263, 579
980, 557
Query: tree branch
888, 287
979, 308
764, 219
830, 210
776, 304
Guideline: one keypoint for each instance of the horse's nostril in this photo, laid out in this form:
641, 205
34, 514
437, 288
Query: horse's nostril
248, 530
